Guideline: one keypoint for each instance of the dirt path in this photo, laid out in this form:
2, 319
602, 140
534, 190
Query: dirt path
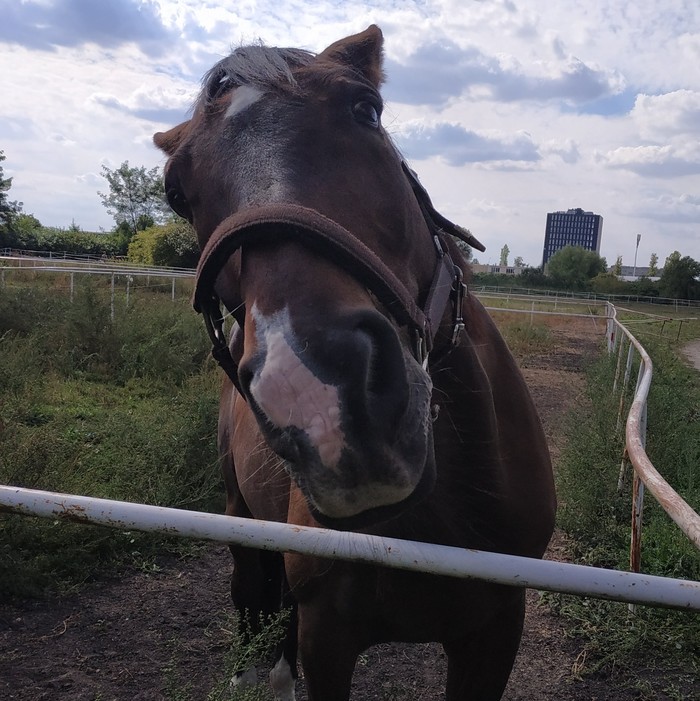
161, 636
691, 351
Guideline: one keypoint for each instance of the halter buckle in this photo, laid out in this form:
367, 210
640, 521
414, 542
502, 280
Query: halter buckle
421, 352
459, 291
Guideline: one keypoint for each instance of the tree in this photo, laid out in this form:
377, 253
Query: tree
518, 262
25, 229
172, 244
617, 268
505, 251
573, 267
609, 283
653, 265
136, 197
679, 278
8, 209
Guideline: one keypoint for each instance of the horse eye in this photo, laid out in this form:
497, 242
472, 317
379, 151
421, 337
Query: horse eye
365, 112
178, 203
218, 85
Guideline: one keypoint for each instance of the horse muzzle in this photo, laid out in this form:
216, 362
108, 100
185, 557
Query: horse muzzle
347, 407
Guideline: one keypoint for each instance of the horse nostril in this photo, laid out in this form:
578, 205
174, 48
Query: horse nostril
385, 383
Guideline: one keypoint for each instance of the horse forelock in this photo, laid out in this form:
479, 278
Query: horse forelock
257, 66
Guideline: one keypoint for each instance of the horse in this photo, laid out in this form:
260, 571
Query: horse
365, 387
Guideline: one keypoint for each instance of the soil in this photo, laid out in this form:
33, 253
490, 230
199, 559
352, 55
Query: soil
162, 635
691, 351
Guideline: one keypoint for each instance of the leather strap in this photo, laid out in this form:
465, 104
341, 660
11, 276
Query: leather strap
276, 223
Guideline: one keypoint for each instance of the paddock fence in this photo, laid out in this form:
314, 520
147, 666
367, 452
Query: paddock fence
121, 275
630, 587
645, 475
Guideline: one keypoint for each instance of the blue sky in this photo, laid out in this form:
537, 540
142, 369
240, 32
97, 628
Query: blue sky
508, 109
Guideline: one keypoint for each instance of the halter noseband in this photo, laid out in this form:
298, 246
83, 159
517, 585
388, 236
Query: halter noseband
312, 229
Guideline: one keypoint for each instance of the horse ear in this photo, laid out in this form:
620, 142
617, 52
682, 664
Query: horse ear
169, 141
362, 51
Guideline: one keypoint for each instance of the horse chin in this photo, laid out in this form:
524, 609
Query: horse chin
370, 483
377, 514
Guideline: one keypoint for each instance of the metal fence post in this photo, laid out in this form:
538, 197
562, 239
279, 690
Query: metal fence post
619, 365
111, 304
628, 370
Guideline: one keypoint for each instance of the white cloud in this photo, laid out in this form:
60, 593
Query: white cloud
668, 115
656, 161
153, 103
457, 145
45, 25
566, 149
671, 208
509, 109
440, 71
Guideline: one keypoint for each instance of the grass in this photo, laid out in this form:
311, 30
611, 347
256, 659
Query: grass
597, 517
122, 409
522, 337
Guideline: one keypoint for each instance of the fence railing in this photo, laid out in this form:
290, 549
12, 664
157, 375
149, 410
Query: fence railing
645, 476
595, 296
124, 273
359, 547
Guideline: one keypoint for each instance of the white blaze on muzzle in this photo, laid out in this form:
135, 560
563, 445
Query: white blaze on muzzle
289, 394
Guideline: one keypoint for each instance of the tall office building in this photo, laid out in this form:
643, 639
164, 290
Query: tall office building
572, 228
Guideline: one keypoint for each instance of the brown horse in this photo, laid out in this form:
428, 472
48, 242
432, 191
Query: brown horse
366, 388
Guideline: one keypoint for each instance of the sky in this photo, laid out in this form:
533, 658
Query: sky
507, 109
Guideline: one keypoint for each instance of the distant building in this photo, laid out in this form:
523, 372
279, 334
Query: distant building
497, 269
629, 273
572, 228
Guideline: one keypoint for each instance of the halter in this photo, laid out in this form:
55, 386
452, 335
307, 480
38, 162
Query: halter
285, 222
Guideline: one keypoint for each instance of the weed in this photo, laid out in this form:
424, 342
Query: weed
524, 338
251, 646
175, 688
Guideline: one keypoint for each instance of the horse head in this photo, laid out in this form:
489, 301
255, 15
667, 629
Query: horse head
313, 238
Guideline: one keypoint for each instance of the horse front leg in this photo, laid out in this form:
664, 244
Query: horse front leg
478, 665
329, 651
258, 592
284, 674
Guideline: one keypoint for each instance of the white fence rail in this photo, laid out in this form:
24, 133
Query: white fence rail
125, 273
388, 552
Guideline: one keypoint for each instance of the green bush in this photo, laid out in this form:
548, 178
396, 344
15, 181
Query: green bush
173, 244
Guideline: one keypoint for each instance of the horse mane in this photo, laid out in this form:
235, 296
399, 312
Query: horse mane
255, 65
